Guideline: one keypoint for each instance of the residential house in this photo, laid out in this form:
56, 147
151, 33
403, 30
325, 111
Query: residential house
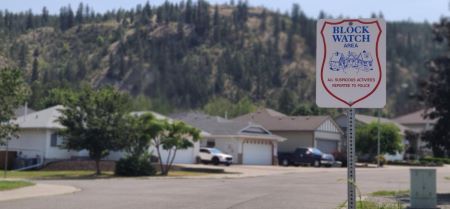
418, 123
248, 143
321, 132
38, 140
366, 119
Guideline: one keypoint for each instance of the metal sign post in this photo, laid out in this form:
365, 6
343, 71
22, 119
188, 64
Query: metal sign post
378, 139
6, 160
351, 175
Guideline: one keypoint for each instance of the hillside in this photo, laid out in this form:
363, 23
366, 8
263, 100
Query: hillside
179, 56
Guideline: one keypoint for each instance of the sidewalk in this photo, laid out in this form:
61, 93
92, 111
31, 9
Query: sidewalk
38, 190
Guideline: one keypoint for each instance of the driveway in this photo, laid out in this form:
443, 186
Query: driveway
306, 188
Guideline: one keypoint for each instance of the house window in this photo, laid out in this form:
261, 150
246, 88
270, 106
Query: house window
55, 140
211, 143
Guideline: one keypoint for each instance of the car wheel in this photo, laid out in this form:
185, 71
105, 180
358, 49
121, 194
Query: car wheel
215, 161
316, 163
285, 162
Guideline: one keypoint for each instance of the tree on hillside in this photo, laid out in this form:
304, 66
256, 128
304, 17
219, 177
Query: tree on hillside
13, 92
95, 122
312, 109
223, 107
435, 91
286, 102
390, 140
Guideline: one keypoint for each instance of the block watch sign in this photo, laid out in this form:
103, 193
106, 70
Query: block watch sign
351, 63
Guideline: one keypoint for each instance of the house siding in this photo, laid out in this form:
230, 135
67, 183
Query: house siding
55, 152
231, 146
31, 143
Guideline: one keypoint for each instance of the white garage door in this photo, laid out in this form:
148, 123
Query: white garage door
327, 146
257, 153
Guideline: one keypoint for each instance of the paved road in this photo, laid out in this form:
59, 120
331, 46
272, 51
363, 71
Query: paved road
321, 189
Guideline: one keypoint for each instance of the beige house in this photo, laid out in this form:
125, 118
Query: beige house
415, 121
320, 132
248, 143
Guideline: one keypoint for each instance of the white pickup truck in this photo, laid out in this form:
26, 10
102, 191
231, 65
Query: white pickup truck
214, 156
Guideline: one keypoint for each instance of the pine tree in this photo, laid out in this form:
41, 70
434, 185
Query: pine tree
29, 21
45, 16
79, 15
216, 25
23, 56
35, 70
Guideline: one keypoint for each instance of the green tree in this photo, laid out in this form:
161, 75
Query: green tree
390, 140
95, 122
173, 136
13, 92
435, 91
141, 129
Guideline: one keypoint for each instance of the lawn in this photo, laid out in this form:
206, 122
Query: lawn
57, 174
8, 185
365, 204
47, 175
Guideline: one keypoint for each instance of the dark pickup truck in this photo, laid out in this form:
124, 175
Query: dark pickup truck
306, 156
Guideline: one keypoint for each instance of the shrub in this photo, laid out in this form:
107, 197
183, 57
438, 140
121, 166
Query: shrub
415, 163
134, 166
435, 160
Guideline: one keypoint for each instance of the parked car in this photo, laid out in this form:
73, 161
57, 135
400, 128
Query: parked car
307, 156
214, 156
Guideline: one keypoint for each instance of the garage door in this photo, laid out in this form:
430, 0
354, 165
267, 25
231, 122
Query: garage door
257, 153
327, 146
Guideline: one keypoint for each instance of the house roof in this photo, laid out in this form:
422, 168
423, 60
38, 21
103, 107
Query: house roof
20, 111
276, 121
414, 118
45, 118
221, 126
368, 119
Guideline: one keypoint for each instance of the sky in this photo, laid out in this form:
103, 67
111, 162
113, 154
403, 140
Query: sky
393, 10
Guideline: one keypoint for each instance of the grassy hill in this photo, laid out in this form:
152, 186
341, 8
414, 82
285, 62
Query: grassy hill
180, 56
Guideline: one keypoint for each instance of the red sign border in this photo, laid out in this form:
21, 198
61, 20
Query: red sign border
350, 104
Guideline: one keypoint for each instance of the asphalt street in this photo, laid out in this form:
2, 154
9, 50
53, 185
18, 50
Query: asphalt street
321, 189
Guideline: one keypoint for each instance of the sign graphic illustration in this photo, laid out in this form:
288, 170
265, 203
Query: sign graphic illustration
351, 63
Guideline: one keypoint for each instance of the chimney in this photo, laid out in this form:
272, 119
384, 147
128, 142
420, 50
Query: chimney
25, 111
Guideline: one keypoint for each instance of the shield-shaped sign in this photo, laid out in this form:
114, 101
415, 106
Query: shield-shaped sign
350, 63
